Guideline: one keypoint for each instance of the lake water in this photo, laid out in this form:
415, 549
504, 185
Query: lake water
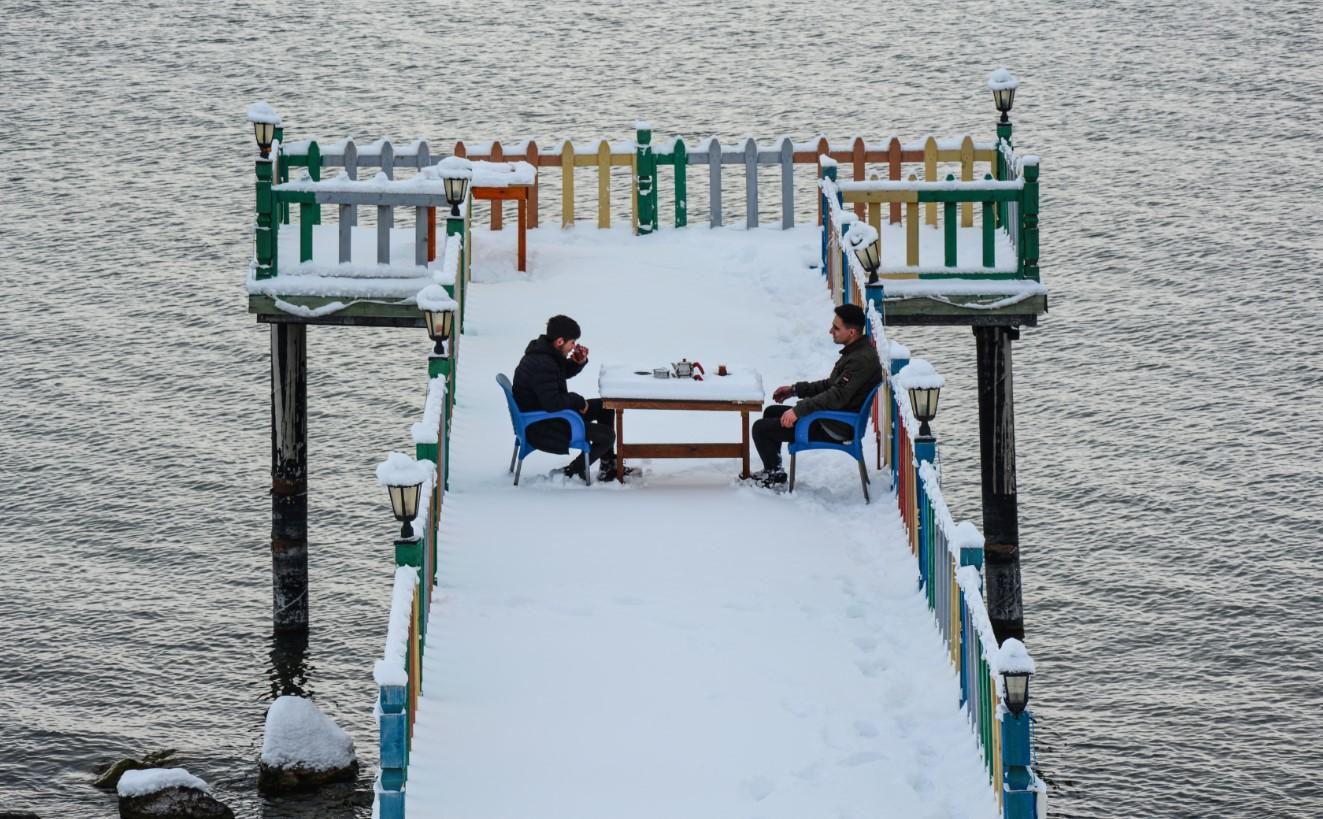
1168, 408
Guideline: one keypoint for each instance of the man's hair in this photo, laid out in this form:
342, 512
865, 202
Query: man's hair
562, 327
852, 315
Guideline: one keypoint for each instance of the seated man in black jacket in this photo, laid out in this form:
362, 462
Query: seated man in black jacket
539, 386
856, 373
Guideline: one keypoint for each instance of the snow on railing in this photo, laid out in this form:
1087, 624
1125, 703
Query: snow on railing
950, 561
399, 673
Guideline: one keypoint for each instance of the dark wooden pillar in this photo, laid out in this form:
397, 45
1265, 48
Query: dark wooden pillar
1001, 526
289, 477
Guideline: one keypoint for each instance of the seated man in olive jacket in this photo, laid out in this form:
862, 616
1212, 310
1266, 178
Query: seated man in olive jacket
856, 373
539, 385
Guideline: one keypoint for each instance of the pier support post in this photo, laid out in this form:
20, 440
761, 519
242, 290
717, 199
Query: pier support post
1020, 798
289, 477
1001, 528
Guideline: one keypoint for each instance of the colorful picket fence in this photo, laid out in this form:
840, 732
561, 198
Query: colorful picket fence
899, 175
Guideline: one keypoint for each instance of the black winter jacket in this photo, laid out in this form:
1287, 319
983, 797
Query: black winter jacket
857, 371
539, 380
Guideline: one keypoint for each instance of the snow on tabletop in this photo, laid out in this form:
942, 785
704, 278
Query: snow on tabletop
298, 734
427, 430
619, 381
434, 297
261, 111
918, 374
400, 470
455, 167
502, 174
1014, 657
1001, 79
390, 669
151, 780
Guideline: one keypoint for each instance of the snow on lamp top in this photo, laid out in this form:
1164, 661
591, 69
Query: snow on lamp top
1013, 658
1002, 80
455, 167
919, 374
400, 470
261, 111
861, 235
434, 297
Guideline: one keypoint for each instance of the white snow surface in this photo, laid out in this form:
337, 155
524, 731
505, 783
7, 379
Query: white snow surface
682, 645
434, 297
298, 734
620, 381
390, 669
919, 374
151, 780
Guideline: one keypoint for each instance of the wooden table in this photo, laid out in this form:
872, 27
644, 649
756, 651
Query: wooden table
513, 191
717, 450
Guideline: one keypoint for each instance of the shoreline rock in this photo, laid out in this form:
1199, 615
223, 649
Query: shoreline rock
303, 749
167, 793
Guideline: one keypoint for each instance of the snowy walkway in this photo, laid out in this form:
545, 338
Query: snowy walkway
682, 647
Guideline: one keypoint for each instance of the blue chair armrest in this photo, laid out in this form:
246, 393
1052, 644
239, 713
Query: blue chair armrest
802, 424
575, 420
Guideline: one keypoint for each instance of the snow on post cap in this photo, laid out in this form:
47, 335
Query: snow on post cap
899, 350
1014, 657
826, 161
261, 111
151, 780
967, 534
400, 470
642, 125
861, 235
455, 167
298, 734
434, 297
919, 374
1002, 78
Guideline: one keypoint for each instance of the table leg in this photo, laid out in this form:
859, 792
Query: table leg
620, 445
744, 441
523, 227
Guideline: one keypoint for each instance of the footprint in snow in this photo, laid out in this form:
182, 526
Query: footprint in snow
759, 788
865, 729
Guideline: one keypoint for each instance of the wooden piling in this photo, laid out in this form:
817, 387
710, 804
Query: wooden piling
289, 477
1001, 528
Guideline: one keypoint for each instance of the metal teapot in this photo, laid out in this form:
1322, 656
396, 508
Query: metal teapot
684, 368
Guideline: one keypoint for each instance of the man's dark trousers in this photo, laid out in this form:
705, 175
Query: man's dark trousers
599, 425
768, 434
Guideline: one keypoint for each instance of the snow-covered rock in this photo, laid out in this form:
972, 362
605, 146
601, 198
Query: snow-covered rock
167, 793
303, 749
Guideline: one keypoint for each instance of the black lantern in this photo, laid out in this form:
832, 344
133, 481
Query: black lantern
265, 133
870, 256
404, 504
923, 402
1003, 85
439, 325
456, 186
1017, 690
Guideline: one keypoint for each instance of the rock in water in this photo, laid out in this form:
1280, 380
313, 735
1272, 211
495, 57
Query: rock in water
167, 793
109, 776
303, 749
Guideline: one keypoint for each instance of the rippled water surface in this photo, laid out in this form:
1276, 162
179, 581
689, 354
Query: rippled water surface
1168, 406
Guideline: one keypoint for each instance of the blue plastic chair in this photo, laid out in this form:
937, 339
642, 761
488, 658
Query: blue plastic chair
520, 421
854, 447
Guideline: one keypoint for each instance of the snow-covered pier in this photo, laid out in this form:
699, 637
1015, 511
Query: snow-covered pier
684, 644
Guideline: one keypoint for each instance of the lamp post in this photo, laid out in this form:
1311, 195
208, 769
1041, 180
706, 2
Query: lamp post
403, 478
867, 247
265, 122
1003, 83
439, 314
1021, 792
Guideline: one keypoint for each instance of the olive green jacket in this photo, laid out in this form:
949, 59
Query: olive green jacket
856, 373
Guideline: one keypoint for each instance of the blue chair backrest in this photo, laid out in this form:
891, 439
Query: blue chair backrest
516, 417
866, 412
